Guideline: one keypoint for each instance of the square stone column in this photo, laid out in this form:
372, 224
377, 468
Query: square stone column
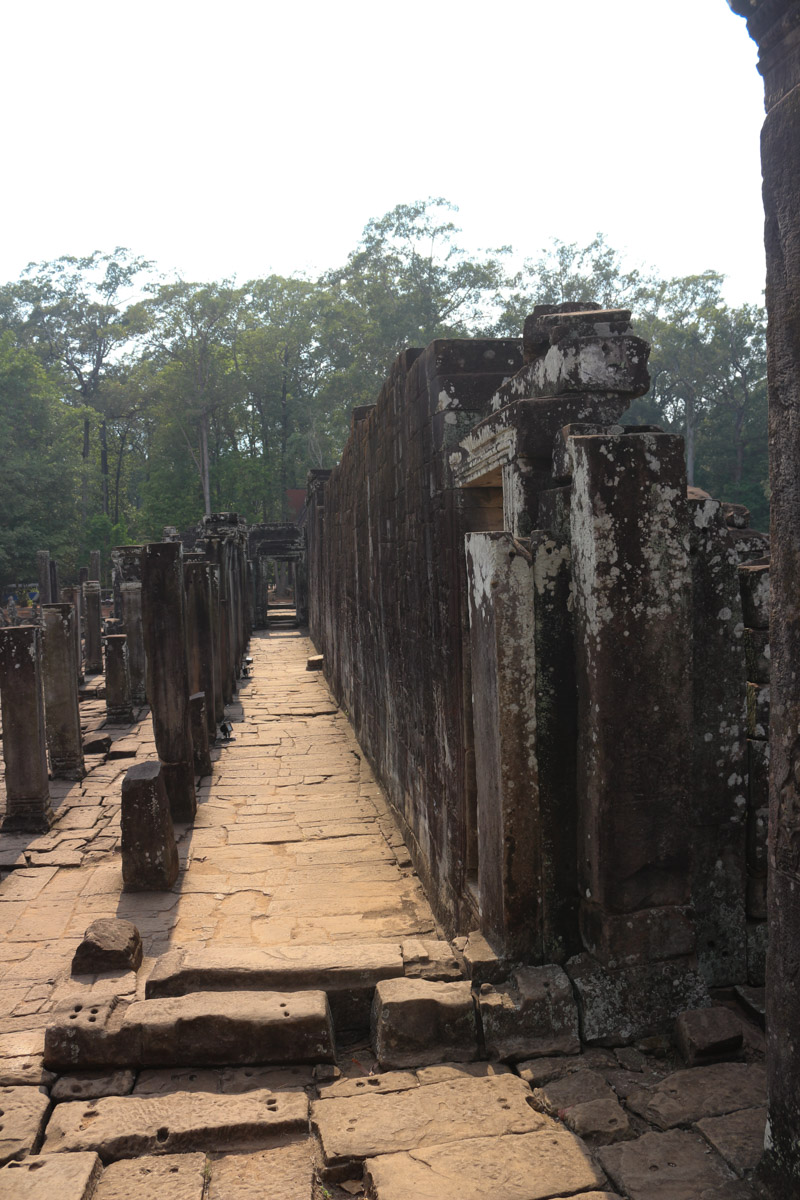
43, 573
164, 623
630, 556
131, 599
149, 854
94, 628
119, 707
24, 751
60, 676
199, 636
73, 596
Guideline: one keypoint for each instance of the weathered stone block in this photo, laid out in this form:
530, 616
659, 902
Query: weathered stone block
617, 1007
426, 959
356, 1127
416, 1022
706, 1034
24, 751
528, 1166
149, 852
637, 938
42, 1176
687, 1096
536, 1017
127, 1126
285, 1171
481, 959
24, 1112
668, 1166
109, 944
151, 1177
92, 1085
738, 1137
119, 702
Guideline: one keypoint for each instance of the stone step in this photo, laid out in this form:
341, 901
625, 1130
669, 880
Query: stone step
203, 1028
126, 1126
347, 971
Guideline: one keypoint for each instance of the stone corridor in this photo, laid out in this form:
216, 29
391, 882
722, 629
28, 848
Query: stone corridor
293, 871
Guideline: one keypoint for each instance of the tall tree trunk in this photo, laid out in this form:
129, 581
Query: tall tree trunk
85, 473
104, 464
284, 432
118, 473
205, 472
690, 432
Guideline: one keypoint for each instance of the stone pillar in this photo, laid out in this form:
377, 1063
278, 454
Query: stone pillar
164, 623
94, 566
72, 595
149, 853
202, 757
773, 23
199, 638
54, 586
250, 607
503, 672
24, 752
119, 707
60, 682
94, 628
218, 703
260, 573
217, 553
629, 542
43, 572
131, 597
719, 804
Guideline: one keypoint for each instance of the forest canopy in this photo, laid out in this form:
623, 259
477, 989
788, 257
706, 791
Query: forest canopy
129, 401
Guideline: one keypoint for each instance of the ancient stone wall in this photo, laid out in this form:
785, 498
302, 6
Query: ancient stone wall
387, 599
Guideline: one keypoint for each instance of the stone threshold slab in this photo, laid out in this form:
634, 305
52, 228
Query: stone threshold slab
347, 972
201, 1029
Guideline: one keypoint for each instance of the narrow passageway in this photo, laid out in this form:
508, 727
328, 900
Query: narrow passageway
296, 886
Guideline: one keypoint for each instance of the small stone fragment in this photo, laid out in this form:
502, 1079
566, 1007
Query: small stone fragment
43, 1176
416, 1022
314, 662
706, 1034
109, 944
599, 1122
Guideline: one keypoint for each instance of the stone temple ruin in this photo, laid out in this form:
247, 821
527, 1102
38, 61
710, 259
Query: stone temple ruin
487, 905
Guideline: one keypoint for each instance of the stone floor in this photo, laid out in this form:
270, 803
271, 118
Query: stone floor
293, 845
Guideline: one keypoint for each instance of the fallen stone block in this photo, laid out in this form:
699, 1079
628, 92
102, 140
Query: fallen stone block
149, 854
599, 1122
432, 960
578, 1087
348, 972
416, 1022
286, 1172
96, 743
129, 1126
667, 1166
92, 1085
687, 1096
314, 662
708, 1034
738, 1137
535, 1015
528, 1166
622, 1006
109, 944
361, 1127
43, 1176
161, 1177
212, 1028
24, 1110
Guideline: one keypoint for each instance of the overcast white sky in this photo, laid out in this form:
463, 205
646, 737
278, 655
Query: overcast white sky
241, 138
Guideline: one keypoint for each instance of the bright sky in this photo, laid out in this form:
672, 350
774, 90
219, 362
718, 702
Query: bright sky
241, 138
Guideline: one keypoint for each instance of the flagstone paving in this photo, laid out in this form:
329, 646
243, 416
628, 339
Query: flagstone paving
295, 864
